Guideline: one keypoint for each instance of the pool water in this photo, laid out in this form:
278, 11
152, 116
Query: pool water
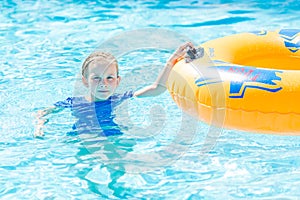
163, 153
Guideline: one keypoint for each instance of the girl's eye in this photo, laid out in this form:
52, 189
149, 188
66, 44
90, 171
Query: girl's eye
96, 78
110, 78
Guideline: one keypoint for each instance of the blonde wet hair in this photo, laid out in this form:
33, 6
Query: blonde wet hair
101, 56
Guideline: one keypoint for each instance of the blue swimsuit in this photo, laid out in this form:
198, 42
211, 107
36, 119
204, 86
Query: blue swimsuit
95, 116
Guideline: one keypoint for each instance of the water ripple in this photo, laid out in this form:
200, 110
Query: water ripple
225, 21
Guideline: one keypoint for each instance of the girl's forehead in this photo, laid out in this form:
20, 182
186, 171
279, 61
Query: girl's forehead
102, 67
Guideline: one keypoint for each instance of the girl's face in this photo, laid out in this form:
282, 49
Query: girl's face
101, 79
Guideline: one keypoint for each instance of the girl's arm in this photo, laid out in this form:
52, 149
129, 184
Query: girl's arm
41, 121
158, 86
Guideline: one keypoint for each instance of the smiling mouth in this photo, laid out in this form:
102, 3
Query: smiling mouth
102, 91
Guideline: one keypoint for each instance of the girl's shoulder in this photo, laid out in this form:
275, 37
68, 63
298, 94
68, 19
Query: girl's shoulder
122, 96
70, 101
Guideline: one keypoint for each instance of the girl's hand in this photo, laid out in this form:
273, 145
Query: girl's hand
38, 133
179, 53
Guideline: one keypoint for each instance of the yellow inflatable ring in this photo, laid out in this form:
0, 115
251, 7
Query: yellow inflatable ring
259, 85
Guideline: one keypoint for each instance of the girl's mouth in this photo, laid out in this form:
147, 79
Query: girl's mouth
103, 91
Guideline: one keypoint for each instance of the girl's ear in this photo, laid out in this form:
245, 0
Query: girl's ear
118, 80
84, 81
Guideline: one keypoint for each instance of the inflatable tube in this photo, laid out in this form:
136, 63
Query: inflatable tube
247, 81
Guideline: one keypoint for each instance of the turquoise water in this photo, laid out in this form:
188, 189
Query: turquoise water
42, 47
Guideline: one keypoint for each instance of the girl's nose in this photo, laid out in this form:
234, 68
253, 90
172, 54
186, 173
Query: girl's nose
102, 82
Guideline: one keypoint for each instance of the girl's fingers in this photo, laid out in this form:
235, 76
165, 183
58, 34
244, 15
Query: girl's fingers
180, 52
185, 46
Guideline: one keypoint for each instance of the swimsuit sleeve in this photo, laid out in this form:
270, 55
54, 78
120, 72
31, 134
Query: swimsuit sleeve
68, 103
116, 99
127, 95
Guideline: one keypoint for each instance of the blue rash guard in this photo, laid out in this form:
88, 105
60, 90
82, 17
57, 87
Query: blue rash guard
95, 116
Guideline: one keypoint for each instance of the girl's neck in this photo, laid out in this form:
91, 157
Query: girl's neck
92, 99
